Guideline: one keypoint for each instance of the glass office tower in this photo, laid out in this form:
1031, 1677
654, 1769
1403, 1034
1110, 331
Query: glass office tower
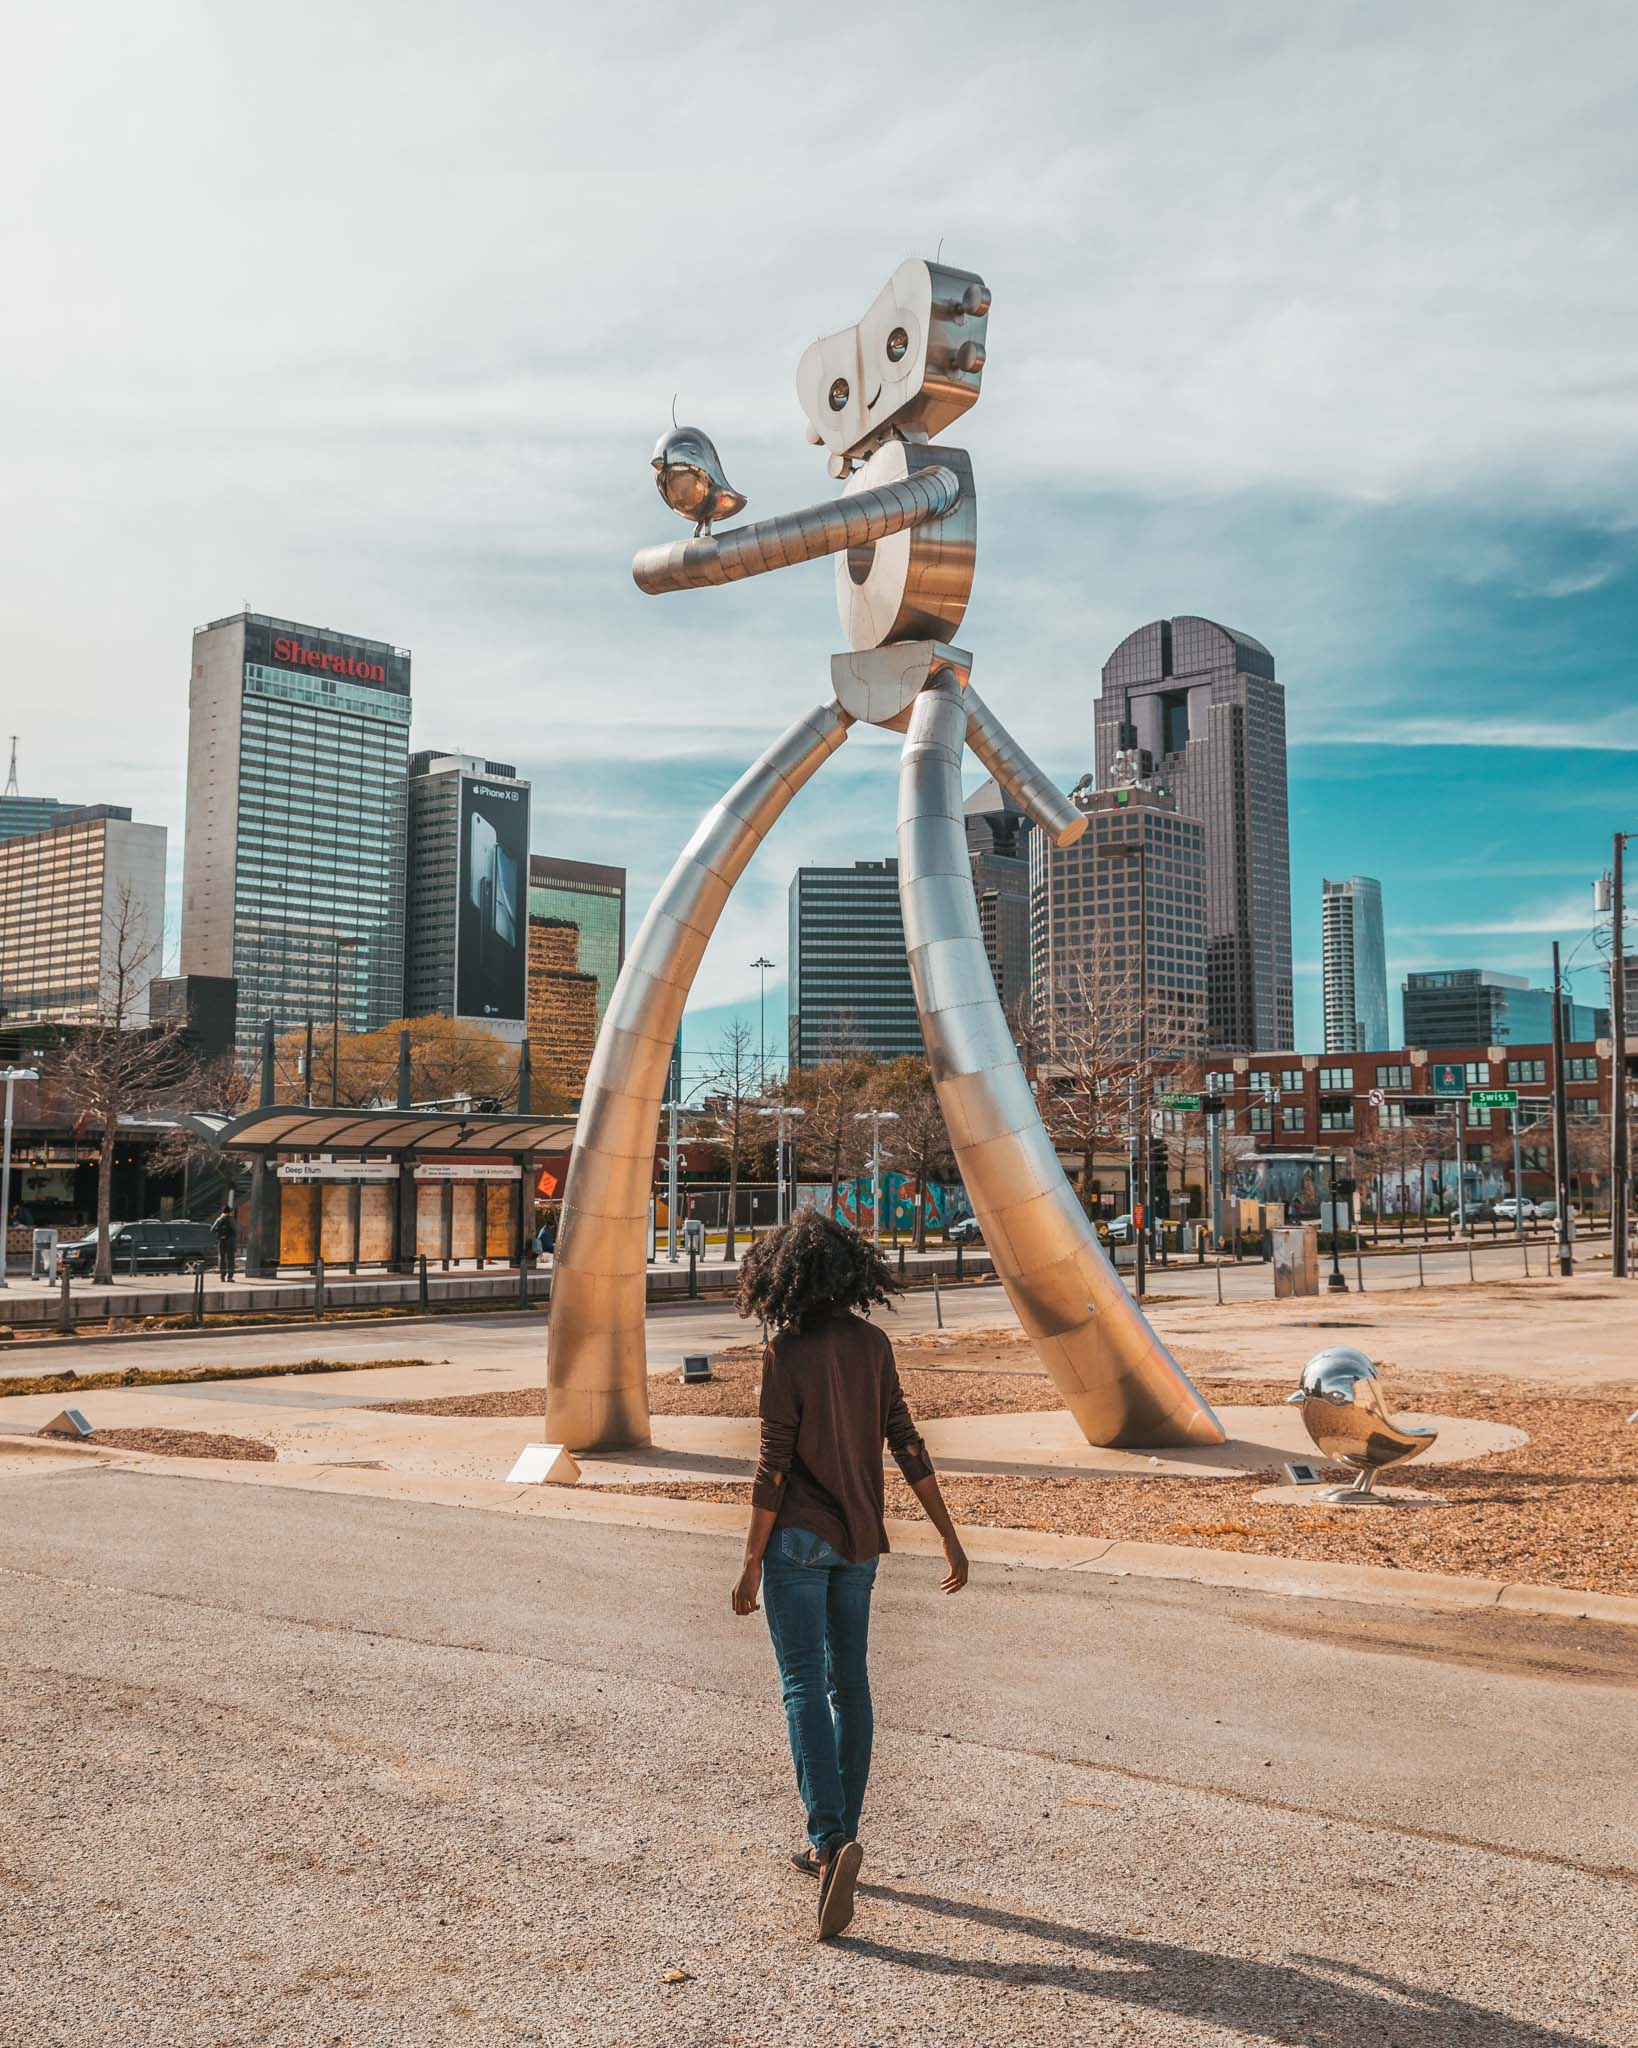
1355, 965
849, 972
592, 898
1195, 705
294, 863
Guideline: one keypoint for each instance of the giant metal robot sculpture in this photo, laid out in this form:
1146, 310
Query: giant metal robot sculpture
904, 531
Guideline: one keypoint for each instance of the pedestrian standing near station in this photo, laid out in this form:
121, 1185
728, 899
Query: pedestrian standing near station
225, 1229
830, 1399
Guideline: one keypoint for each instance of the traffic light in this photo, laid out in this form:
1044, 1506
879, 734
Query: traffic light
1421, 1105
1212, 1104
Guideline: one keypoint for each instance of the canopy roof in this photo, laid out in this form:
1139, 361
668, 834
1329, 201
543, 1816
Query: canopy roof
472, 1132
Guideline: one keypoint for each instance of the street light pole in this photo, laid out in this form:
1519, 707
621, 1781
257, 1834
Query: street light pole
876, 1118
1134, 849
12, 1076
762, 963
784, 1111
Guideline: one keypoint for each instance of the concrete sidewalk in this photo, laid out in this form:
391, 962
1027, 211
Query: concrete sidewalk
317, 1771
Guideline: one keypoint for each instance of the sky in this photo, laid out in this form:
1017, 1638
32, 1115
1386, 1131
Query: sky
1321, 321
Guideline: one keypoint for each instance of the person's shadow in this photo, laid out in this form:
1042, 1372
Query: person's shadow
1287, 2003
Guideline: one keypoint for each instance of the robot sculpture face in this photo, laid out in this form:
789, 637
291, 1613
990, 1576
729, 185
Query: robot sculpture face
911, 366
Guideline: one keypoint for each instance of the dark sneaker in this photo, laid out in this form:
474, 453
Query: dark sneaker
806, 1862
836, 1890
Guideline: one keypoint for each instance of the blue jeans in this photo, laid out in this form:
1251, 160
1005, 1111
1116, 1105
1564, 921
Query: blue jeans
818, 1608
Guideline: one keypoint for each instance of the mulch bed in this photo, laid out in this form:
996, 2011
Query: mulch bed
184, 1443
1560, 1510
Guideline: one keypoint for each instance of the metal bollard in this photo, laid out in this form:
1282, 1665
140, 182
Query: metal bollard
1421, 1277
1470, 1263
901, 1265
938, 1303
1219, 1272
65, 1312
198, 1294
1524, 1246
421, 1281
693, 1274
1359, 1269
959, 1250
318, 1290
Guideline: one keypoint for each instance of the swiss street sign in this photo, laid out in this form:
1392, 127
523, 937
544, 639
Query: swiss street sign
1447, 1079
1494, 1098
1179, 1101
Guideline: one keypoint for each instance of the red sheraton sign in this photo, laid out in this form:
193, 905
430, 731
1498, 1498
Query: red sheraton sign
294, 655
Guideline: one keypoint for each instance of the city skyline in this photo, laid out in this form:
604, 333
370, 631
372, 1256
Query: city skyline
1394, 450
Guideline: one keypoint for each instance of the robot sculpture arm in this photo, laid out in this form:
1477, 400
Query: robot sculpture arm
905, 534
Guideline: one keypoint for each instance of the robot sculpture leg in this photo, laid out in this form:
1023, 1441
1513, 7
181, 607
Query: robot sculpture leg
1118, 1380
597, 1366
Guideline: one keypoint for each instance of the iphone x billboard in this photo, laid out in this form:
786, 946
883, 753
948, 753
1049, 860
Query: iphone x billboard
492, 939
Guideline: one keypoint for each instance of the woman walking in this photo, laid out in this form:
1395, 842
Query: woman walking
830, 1399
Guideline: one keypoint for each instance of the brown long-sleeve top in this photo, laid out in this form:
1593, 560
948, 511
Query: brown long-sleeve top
830, 1399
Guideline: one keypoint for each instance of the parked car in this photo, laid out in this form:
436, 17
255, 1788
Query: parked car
149, 1247
1118, 1230
966, 1231
1547, 1210
1520, 1207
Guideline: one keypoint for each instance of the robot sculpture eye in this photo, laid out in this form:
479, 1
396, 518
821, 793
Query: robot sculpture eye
839, 394
898, 345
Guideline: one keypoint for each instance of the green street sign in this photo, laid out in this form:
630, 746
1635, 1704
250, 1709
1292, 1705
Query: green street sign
1180, 1101
1494, 1098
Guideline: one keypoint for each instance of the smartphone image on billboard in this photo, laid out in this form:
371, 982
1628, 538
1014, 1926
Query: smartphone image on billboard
490, 958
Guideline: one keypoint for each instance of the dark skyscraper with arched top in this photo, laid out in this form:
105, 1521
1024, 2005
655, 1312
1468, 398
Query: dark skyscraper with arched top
1197, 705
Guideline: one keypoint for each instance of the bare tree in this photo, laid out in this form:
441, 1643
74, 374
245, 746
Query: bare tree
828, 1095
118, 1064
1083, 1049
731, 1098
905, 1086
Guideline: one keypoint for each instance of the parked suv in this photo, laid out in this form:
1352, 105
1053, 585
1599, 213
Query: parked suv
154, 1247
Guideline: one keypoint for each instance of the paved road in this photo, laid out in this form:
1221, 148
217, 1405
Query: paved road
311, 1770
499, 1336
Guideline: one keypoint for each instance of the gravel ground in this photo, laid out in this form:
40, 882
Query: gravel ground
1561, 1510
186, 1443
324, 1773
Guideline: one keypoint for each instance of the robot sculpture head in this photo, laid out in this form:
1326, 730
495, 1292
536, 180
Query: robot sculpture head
689, 473
1343, 1411
911, 366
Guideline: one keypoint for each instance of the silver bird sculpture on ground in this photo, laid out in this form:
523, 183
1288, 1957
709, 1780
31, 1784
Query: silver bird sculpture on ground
1343, 1411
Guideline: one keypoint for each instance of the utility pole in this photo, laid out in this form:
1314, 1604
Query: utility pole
1561, 1138
876, 1118
339, 946
1620, 1139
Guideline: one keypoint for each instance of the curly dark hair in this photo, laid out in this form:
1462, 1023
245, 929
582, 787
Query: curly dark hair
808, 1267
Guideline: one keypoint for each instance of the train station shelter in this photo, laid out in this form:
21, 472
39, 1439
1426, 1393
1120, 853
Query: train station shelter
382, 1187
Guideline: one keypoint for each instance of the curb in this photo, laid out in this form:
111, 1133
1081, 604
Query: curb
1248, 1571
